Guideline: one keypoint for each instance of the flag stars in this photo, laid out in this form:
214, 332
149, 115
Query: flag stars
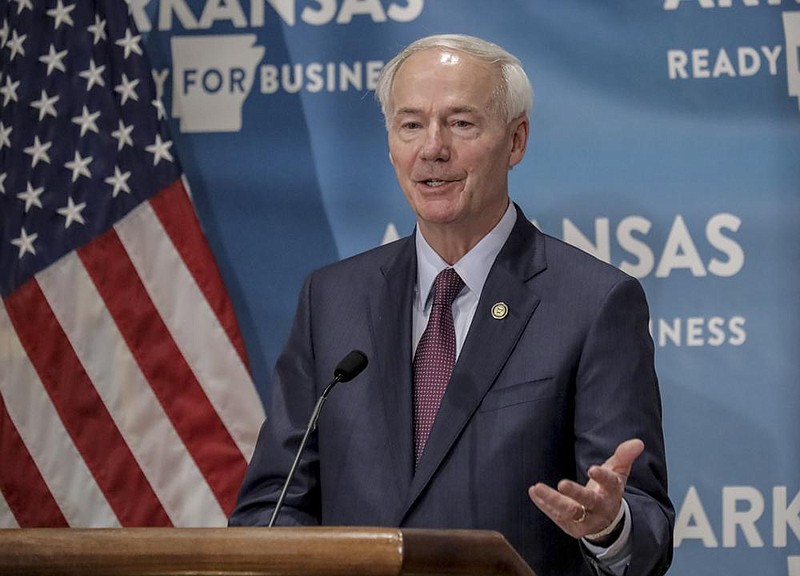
4, 34
3, 177
79, 166
127, 89
119, 181
31, 197
25, 243
87, 121
15, 44
61, 14
130, 43
9, 91
38, 151
22, 4
123, 135
5, 136
160, 110
54, 60
45, 105
160, 149
94, 75
98, 29
72, 212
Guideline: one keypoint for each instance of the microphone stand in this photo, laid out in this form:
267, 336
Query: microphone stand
348, 368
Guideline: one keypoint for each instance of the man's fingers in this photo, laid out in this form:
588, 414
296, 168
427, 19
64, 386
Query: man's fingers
622, 458
572, 516
545, 496
569, 503
609, 481
581, 510
556, 505
566, 513
580, 494
612, 476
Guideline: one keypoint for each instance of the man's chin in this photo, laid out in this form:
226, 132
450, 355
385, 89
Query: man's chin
438, 213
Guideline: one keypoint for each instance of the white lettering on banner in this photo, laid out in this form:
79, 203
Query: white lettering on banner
679, 251
733, 517
697, 63
222, 11
675, 4
692, 522
784, 516
212, 77
697, 331
742, 508
214, 74
318, 77
793, 565
743, 61
160, 79
231, 12
390, 234
791, 30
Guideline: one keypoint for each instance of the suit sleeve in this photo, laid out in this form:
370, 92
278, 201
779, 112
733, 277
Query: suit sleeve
292, 399
617, 398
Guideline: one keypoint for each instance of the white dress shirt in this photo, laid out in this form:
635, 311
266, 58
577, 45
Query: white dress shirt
473, 268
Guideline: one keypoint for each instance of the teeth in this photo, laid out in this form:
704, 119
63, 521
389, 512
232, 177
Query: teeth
434, 183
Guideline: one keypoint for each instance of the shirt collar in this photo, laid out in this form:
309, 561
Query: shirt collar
473, 267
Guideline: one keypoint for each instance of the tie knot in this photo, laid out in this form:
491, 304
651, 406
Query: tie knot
446, 287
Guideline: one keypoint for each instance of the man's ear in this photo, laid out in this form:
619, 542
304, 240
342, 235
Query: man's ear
519, 141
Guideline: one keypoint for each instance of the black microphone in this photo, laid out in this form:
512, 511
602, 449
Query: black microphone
348, 368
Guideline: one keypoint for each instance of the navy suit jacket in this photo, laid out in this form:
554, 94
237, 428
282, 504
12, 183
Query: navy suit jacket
537, 396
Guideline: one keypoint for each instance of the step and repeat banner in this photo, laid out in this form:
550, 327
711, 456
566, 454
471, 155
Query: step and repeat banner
665, 139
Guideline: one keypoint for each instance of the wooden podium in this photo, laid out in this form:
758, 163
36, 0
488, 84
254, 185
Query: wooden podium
256, 552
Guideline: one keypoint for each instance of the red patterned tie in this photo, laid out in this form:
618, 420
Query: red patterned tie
435, 357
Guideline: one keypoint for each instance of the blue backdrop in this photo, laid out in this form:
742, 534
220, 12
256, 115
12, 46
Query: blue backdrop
665, 139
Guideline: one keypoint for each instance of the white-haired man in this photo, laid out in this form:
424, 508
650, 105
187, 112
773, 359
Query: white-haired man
511, 383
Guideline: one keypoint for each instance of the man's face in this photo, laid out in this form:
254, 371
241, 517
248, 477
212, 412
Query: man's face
450, 143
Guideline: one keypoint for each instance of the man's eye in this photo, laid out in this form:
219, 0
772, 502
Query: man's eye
462, 124
410, 125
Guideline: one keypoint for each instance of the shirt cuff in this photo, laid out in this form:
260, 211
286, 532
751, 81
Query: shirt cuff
619, 548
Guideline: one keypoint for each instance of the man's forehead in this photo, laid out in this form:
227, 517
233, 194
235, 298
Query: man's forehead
448, 57
445, 57
446, 65
457, 81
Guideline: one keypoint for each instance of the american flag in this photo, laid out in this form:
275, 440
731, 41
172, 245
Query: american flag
125, 397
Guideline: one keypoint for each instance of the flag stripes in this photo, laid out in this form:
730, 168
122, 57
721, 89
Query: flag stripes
174, 209
7, 519
161, 361
30, 411
132, 412
26, 479
80, 408
209, 352
127, 394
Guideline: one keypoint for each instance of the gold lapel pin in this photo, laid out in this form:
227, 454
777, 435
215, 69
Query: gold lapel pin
499, 311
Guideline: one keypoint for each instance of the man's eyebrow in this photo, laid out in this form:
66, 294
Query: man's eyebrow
453, 110
406, 110
463, 110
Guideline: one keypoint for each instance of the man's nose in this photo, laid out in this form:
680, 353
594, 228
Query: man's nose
437, 144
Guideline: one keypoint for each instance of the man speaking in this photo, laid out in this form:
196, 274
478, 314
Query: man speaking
511, 382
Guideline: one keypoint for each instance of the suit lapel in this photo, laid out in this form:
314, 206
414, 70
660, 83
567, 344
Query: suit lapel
390, 323
490, 341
